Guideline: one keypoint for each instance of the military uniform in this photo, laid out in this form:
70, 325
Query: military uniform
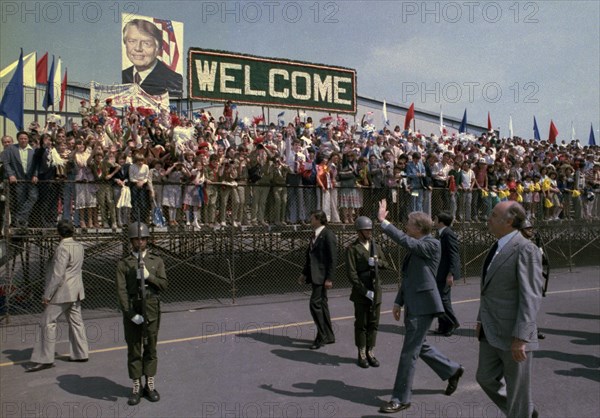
130, 302
366, 312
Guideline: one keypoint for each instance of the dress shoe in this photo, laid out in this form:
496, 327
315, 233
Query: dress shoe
38, 367
453, 381
541, 336
393, 406
451, 331
79, 360
318, 343
330, 341
439, 332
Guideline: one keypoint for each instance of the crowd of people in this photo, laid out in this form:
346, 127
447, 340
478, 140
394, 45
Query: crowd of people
116, 166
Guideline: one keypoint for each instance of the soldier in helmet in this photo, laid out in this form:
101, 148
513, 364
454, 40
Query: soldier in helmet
141, 310
364, 258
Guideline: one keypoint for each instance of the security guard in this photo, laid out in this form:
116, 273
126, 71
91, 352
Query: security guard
364, 258
141, 311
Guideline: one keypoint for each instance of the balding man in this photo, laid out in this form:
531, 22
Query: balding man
511, 291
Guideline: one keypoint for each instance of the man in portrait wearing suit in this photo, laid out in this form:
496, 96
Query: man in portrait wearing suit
143, 44
63, 295
319, 271
21, 170
448, 272
511, 292
421, 300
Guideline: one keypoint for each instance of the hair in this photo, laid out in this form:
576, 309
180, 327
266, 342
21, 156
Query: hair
516, 214
422, 221
23, 133
320, 216
65, 228
145, 27
445, 217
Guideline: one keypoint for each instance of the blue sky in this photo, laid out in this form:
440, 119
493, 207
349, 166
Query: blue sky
514, 58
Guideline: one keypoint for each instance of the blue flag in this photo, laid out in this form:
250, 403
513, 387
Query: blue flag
592, 141
463, 124
536, 132
12, 103
49, 96
280, 114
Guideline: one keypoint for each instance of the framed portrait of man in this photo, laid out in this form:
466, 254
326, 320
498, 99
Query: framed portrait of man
152, 54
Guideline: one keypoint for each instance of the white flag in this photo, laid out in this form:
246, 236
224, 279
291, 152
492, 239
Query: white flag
572, 131
56, 84
29, 62
510, 127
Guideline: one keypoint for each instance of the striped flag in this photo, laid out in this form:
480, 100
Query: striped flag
170, 49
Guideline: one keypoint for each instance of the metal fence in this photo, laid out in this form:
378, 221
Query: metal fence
224, 265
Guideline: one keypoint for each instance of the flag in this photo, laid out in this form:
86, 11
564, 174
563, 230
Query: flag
553, 133
41, 69
592, 140
490, 129
410, 115
572, 131
12, 103
28, 69
463, 124
510, 127
536, 131
386, 121
442, 127
170, 49
56, 84
49, 96
63, 91
279, 115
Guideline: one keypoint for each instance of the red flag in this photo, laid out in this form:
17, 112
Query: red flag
553, 133
410, 115
63, 90
490, 129
41, 70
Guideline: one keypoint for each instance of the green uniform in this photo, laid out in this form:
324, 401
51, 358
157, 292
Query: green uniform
128, 291
366, 312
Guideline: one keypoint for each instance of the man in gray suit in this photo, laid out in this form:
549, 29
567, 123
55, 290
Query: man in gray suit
421, 300
63, 295
511, 291
21, 172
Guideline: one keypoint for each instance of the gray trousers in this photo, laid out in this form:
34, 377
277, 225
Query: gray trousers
44, 347
416, 346
505, 381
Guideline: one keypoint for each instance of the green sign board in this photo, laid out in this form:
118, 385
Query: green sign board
222, 76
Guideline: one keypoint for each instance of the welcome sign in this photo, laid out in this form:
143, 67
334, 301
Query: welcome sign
221, 76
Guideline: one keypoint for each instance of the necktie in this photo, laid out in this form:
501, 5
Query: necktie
489, 259
137, 78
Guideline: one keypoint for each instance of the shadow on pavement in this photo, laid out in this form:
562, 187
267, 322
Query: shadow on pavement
94, 387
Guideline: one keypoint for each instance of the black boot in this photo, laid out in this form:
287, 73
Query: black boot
150, 391
136, 394
362, 358
371, 358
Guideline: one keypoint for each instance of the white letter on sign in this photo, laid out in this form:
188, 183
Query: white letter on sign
247, 88
283, 94
206, 76
225, 78
337, 90
295, 93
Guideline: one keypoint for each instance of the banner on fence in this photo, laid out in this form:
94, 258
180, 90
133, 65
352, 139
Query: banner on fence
127, 95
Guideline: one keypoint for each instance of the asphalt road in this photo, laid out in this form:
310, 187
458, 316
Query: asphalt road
254, 361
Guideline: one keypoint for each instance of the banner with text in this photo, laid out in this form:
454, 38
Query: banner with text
127, 95
222, 76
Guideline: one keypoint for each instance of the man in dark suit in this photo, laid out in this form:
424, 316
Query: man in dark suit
448, 272
22, 175
143, 44
319, 271
421, 300
511, 292
46, 206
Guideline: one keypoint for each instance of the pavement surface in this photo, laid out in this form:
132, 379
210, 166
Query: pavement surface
254, 361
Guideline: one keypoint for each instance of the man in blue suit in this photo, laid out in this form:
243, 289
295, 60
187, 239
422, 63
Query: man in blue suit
143, 44
421, 300
21, 171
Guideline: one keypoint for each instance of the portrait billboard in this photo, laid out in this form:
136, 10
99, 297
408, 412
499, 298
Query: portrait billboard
221, 76
152, 54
